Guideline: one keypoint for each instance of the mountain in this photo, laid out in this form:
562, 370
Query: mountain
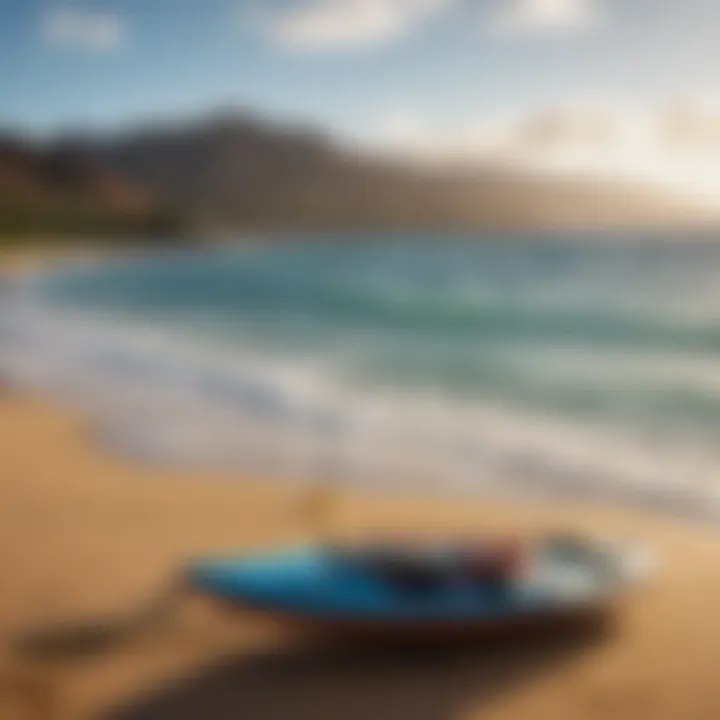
61, 191
235, 172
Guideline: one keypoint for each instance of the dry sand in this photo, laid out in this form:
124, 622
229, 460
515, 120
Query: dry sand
85, 534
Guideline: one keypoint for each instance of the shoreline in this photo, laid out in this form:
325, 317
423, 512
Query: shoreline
515, 468
87, 533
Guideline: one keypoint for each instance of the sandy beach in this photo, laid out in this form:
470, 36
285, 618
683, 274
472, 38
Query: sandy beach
85, 534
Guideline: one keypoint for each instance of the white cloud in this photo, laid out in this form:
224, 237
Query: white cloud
82, 28
577, 132
527, 17
675, 147
336, 24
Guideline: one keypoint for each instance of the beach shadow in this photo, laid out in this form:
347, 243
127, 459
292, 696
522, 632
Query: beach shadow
326, 682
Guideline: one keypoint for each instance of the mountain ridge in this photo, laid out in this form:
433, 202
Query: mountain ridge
235, 171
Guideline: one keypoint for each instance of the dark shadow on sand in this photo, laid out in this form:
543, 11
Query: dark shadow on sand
326, 682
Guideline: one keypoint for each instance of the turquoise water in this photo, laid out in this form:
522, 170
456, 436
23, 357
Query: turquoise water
534, 364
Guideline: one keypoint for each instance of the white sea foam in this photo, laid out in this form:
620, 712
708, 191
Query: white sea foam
167, 398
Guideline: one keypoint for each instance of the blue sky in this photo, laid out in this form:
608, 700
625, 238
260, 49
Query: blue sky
348, 64
622, 87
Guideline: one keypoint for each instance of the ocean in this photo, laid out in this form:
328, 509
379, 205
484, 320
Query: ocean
553, 367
